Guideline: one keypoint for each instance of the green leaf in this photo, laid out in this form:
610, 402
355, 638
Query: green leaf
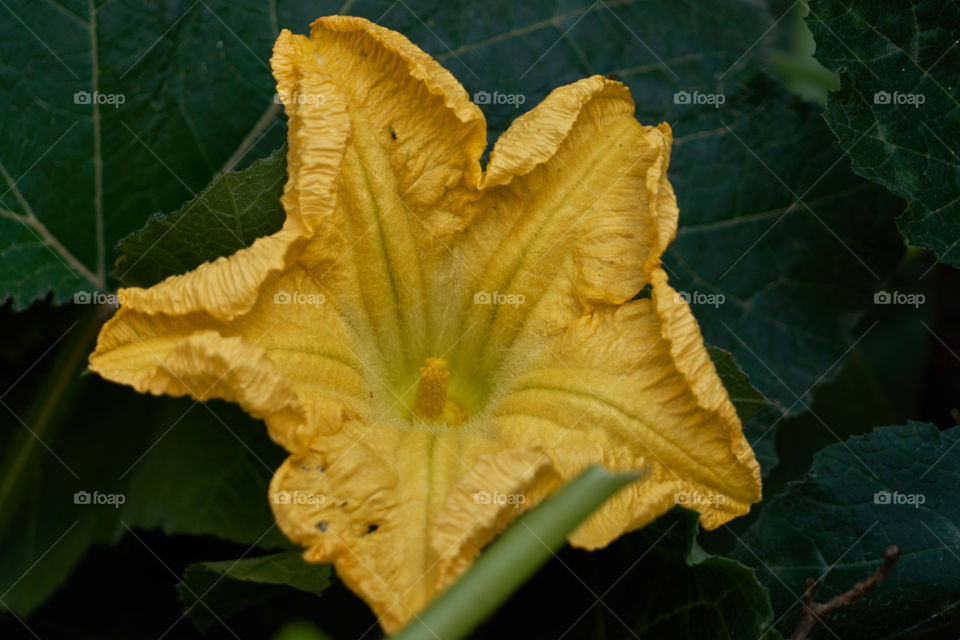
896, 110
893, 486
205, 471
212, 591
879, 382
111, 112
247, 201
780, 245
513, 557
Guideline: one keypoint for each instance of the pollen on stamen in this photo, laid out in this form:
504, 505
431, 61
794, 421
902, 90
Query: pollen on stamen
432, 389
431, 403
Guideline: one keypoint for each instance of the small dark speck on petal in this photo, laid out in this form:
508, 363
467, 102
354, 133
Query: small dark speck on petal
322, 526
371, 528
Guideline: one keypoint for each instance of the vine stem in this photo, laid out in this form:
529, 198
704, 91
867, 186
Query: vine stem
815, 612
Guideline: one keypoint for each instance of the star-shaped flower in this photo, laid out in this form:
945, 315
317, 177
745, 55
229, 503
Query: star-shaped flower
440, 346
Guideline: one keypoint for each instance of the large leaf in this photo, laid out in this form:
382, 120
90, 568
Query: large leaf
896, 110
894, 486
781, 244
204, 472
112, 110
879, 382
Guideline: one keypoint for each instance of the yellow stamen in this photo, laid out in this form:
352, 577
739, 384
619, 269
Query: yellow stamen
432, 389
431, 403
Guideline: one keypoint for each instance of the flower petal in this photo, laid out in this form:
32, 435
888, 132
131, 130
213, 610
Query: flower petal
318, 132
496, 489
224, 288
576, 212
291, 359
396, 511
577, 157
413, 157
629, 387
438, 134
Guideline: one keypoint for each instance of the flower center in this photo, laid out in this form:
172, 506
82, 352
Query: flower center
431, 403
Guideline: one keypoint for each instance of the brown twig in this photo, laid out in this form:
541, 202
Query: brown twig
814, 612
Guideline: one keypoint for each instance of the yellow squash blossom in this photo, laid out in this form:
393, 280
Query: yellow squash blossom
440, 346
